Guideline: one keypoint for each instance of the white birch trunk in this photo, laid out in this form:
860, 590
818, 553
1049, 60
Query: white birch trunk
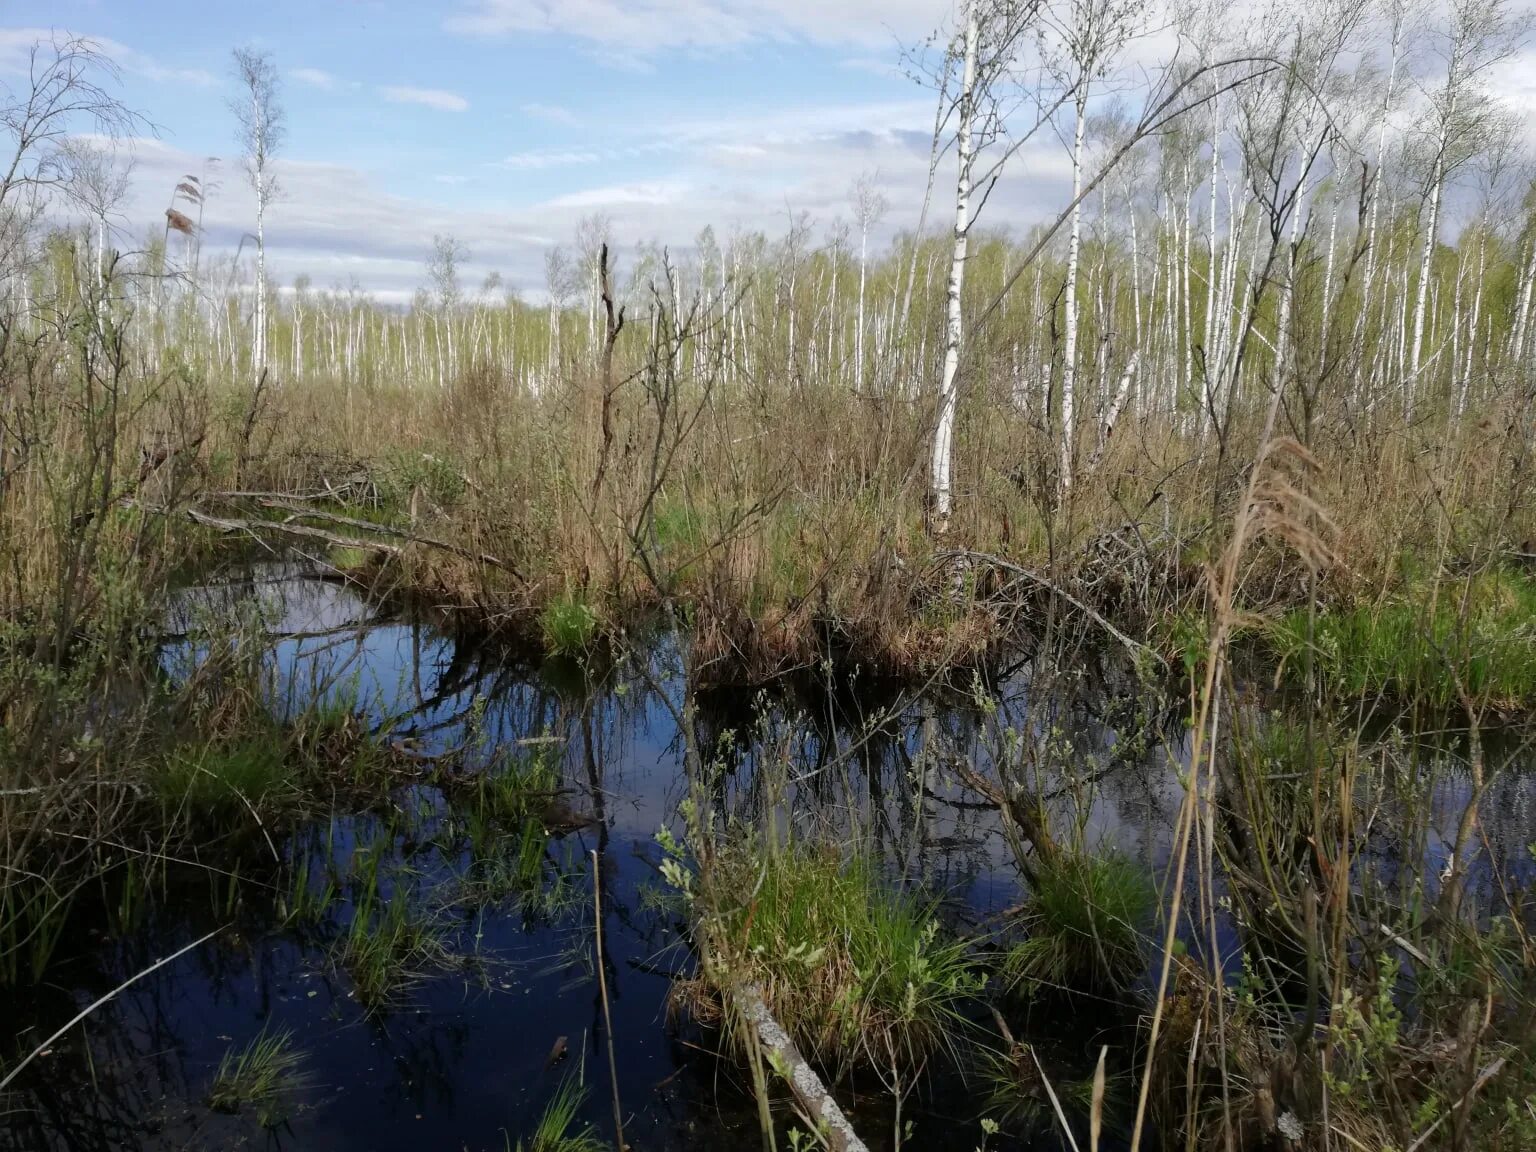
944, 431
1074, 245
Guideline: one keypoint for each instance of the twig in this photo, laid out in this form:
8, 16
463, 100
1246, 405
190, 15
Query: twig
298, 508
1135, 646
99, 1001
1055, 1103
602, 986
1483, 1077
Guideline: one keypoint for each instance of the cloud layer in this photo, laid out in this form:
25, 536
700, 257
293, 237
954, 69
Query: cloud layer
337, 223
644, 27
437, 98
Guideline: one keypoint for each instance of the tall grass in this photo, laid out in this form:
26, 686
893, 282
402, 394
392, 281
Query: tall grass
1443, 641
1085, 922
558, 1129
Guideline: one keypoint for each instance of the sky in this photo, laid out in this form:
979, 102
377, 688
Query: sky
505, 122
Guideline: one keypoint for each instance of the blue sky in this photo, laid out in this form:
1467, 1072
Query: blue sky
505, 121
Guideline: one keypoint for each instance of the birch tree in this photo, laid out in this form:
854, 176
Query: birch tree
992, 35
67, 87
98, 182
443, 270
1091, 33
259, 114
1481, 33
869, 208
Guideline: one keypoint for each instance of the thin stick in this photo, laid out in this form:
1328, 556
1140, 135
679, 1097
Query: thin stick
1096, 1115
1486, 1075
95, 1004
1055, 1103
602, 985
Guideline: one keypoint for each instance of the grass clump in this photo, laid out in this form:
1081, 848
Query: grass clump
263, 1076
851, 968
558, 1130
1018, 1094
515, 789
227, 777
568, 625
506, 817
1085, 923
389, 946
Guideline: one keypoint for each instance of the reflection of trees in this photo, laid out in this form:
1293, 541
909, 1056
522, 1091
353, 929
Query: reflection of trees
828, 753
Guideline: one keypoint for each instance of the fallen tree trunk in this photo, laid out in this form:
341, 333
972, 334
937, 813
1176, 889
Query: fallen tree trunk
785, 1059
231, 524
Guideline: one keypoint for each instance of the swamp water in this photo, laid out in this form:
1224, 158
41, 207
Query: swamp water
494, 1001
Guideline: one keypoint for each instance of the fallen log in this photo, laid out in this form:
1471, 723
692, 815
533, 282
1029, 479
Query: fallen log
785, 1059
288, 526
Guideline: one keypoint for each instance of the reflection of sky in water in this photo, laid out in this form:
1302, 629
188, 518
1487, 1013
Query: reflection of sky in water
465, 1059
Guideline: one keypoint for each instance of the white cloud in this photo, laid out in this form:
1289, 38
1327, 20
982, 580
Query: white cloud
550, 113
314, 77
17, 44
538, 161
642, 27
650, 192
656, 180
437, 98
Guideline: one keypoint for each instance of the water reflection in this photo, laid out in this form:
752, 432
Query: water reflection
463, 1059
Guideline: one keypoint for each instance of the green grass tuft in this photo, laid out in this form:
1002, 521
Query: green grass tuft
568, 625
389, 946
1085, 923
1430, 643
850, 967
231, 777
557, 1130
263, 1076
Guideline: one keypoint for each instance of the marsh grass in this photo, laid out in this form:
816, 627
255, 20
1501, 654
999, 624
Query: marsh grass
558, 1129
264, 1076
568, 625
308, 900
228, 779
1086, 924
853, 968
33, 916
1443, 642
388, 951
1011, 1082
392, 943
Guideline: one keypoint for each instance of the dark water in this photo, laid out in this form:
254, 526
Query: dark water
461, 1059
